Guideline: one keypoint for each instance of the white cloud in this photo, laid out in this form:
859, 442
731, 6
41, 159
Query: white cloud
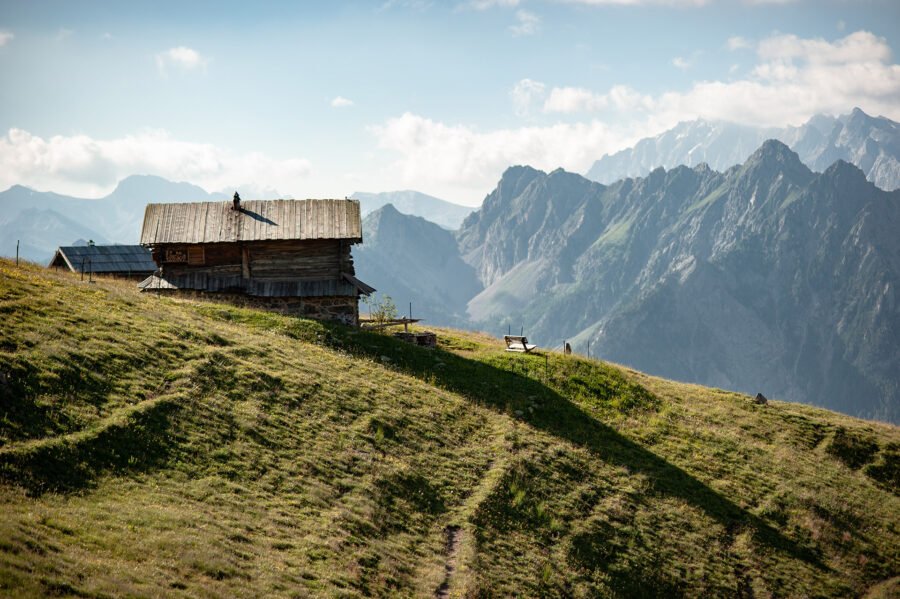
6, 37
524, 95
460, 158
181, 57
577, 99
793, 79
858, 47
341, 102
681, 63
527, 23
574, 99
486, 4
81, 165
738, 43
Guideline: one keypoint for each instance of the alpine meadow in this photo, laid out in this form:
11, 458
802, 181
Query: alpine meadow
450, 300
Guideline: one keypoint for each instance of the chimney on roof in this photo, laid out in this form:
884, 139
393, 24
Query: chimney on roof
237, 201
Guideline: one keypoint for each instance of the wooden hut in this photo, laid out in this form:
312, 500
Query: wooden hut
292, 256
120, 261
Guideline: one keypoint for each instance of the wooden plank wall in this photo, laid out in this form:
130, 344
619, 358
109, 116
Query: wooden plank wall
265, 262
295, 260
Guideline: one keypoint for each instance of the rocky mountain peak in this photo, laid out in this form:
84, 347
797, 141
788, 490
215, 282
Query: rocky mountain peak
872, 143
773, 150
845, 176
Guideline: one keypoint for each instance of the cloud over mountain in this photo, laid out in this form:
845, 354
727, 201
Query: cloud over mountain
793, 79
84, 166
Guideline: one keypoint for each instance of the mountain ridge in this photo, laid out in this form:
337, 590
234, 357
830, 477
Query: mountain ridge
415, 203
411, 259
116, 217
872, 143
789, 255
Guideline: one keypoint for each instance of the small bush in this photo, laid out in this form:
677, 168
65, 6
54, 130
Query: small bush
383, 309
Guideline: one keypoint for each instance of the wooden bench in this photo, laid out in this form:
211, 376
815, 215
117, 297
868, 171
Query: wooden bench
518, 343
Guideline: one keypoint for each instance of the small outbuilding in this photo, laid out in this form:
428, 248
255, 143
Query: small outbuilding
121, 261
291, 256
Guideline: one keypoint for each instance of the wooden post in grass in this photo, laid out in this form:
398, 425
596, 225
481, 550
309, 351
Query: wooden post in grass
17, 252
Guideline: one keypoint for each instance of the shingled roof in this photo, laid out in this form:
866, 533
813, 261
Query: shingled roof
117, 259
257, 220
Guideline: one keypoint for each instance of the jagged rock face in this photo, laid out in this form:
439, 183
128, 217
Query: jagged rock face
414, 260
529, 236
872, 144
767, 277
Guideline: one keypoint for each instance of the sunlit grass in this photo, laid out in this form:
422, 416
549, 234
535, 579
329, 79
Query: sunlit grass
152, 446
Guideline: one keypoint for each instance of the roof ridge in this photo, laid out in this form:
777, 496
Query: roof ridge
256, 220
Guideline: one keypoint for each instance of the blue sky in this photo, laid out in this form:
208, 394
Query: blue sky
324, 99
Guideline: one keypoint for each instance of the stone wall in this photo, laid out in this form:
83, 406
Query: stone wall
341, 309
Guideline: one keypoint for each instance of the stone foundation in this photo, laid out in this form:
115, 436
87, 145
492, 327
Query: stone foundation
425, 338
341, 309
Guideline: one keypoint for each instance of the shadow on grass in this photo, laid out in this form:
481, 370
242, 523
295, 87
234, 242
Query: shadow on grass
137, 441
509, 392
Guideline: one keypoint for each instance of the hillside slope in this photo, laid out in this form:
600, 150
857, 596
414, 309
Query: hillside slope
160, 447
767, 277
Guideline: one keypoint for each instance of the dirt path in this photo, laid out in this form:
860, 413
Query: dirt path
451, 546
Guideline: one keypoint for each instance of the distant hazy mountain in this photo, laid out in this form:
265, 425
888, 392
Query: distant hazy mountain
414, 260
446, 214
45, 220
872, 144
118, 217
39, 232
767, 277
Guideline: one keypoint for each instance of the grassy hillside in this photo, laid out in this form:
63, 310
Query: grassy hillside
157, 447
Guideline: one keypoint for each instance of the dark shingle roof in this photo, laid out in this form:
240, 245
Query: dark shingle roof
258, 220
106, 258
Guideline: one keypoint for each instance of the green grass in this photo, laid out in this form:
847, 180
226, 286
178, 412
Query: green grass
617, 233
709, 199
151, 446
